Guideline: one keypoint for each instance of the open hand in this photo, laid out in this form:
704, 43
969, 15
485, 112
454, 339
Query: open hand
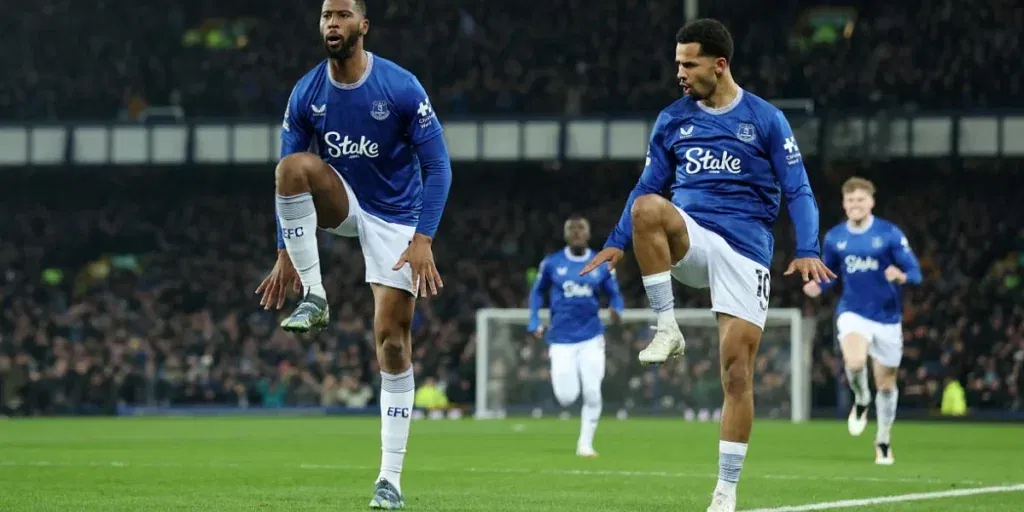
282, 279
420, 256
811, 268
609, 255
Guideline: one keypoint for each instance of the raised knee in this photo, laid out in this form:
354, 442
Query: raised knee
646, 210
736, 377
592, 396
296, 167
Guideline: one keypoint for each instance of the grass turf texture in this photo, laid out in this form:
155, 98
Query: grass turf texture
226, 464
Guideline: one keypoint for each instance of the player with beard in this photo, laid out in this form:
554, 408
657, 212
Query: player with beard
728, 158
379, 170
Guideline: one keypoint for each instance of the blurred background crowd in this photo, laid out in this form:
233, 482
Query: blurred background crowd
234, 57
139, 290
129, 287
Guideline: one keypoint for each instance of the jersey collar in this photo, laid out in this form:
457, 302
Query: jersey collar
358, 83
726, 109
863, 229
578, 259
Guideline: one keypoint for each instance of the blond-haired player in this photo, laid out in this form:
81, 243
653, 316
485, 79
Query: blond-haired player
873, 259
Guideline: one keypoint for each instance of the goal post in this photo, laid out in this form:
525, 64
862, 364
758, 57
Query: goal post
513, 371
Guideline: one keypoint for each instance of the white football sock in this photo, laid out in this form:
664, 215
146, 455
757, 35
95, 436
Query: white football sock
298, 225
885, 410
396, 400
858, 381
659, 293
730, 462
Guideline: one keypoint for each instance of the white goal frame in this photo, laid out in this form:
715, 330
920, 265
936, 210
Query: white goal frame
801, 331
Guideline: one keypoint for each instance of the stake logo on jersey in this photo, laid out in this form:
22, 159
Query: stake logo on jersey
338, 147
860, 258
368, 132
728, 169
573, 299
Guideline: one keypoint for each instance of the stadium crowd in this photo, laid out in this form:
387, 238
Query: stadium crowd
241, 58
136, 288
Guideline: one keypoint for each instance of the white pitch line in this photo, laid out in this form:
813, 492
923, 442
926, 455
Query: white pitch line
558, 472
898, 498
667, 474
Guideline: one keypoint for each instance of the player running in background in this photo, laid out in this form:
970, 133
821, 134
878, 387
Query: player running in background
728, 156
576, 337
382, 175
874, 260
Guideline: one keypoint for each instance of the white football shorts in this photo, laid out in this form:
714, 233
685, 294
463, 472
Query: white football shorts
885, 341
576, 367
739, 285
382, 242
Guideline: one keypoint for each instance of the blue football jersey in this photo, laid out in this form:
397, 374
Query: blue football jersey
368, 132
859, 258
573, 300
728, 168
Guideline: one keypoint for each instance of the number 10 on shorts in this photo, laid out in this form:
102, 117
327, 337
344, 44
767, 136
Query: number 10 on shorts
763, 286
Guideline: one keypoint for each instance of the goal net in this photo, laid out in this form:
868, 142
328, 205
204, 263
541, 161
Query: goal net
513, 370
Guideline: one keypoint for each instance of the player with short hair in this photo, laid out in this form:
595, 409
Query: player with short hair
874, 259
381, 173
576, 337
728, 156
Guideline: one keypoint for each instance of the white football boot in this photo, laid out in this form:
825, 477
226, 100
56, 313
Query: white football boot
668, 342
858, 420
723, 502
883, 454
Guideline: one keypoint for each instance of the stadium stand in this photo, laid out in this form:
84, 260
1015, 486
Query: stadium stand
149, 301
498, 59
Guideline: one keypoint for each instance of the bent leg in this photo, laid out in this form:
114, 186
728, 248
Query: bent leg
309, 194
659, 234
392, 326
659, 240
306, 173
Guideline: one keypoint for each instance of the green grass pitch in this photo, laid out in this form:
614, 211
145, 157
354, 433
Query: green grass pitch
228, 464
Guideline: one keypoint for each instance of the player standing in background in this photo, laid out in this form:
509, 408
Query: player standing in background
382, 175
874, 259
726, 154
576, 337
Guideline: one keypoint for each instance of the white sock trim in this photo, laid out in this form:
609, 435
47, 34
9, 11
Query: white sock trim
732, 448
662, 277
